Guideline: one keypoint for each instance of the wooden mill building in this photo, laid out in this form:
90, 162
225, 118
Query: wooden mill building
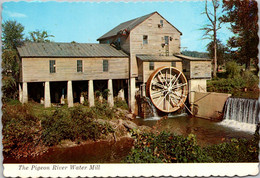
122, 62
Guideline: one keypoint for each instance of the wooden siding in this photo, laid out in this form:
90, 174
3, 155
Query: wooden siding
200, 69
37, 69
146, 72
155, 39
197, 69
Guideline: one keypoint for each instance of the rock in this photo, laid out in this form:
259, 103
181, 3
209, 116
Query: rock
129, 124
129, 116
144, 129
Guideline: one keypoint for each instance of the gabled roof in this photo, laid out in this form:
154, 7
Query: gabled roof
129, 25
30, 49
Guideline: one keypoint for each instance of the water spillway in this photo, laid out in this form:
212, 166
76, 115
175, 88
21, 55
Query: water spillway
242, 110
242, 113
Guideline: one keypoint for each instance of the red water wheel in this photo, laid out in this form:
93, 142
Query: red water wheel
167, 88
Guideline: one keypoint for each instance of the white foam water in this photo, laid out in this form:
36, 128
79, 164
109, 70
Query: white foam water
239, 126
241, 114
154, 118
177, 115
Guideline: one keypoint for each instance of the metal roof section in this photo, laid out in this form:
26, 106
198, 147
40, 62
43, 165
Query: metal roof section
191, 58
157, 58
50, 49
129, 25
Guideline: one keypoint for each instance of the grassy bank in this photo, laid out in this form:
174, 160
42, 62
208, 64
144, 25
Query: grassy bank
30, 128
169, 148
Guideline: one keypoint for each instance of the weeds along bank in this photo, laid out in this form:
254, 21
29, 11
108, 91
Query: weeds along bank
169, 148
30, 129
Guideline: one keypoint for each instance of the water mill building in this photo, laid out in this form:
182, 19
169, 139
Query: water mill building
137, 58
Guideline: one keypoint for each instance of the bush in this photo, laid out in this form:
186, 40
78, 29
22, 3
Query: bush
101, 110
226, 85
167, 148
251, 80
73, 124
238, 150
119, 103
232, 69
21, 130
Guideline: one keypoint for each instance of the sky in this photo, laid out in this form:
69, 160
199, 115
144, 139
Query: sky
85, 21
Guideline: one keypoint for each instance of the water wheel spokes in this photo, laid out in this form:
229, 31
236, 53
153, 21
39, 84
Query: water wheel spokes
167, 88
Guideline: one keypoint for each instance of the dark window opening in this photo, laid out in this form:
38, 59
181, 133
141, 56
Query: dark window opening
161, 23
105, 65
145, 39
52, 66
166, 40
151, 65
173, 64
79, 65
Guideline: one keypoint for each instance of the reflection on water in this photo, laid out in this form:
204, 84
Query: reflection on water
96, 152
207, 132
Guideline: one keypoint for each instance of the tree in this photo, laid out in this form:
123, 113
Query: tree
211, 30
12, 34
12, 37
39, 36
222, 54
243, 17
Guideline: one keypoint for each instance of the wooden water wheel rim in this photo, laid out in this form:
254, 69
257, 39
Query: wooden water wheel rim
167, 88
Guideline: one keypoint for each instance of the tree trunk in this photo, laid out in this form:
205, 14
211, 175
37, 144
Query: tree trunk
215, 58
248, 64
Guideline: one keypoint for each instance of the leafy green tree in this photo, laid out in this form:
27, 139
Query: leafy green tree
12, 34
243, 17
39, 36
12, 37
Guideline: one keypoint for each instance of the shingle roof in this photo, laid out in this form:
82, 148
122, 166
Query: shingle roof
30, 49
191, 58
157, 58
128, 25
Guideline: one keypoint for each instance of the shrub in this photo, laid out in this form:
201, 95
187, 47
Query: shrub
232, 69
56, 127
101, 110
251, 80
167, 148
119, 103
73, 124
238, 150
21, 130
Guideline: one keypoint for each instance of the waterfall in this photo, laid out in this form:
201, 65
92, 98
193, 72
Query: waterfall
154, 115
242, 113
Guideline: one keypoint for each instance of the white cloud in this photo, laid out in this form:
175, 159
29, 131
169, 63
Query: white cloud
15, 14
